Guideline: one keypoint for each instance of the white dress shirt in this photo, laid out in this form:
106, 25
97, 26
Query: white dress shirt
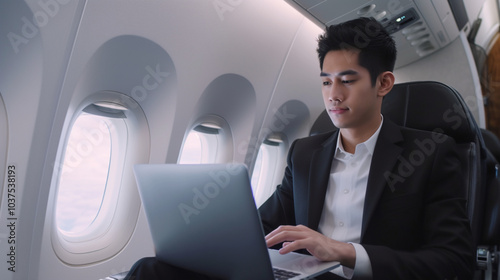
344, 202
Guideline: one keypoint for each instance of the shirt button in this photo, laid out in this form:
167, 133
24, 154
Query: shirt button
346, 191
341, 224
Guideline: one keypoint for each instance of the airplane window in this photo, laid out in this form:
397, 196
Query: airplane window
88, 151
201, 145
96, 202
266, 171
257, 168
191, 151
90, 172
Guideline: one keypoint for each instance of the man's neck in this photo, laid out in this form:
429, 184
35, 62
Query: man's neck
351, 137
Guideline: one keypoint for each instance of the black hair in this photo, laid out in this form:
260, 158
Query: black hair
377, 49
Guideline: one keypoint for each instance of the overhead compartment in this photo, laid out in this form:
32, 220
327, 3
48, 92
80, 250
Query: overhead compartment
418, 27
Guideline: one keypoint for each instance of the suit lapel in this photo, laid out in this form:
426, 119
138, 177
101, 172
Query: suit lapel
384, 158
319, 174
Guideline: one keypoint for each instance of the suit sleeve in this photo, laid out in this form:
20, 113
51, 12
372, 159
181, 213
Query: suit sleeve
446, 249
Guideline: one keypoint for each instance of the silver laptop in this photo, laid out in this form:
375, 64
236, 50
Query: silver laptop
204, 218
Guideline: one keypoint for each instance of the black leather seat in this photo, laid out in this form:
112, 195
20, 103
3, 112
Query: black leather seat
322, 124
434, 106
437, 107
492, 143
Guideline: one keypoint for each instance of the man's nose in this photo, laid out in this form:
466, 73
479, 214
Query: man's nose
335, 93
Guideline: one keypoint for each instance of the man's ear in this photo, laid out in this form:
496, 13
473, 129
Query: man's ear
386, 80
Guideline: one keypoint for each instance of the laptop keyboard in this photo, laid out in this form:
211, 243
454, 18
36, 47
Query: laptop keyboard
281, 274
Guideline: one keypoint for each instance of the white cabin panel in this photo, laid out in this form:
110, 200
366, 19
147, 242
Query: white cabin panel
246, 69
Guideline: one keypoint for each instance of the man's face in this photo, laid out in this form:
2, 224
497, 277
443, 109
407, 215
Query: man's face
349, 97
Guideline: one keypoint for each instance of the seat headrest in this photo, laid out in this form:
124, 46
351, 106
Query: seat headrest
322, 124
431, 106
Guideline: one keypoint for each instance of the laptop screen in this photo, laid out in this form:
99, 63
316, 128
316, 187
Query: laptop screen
204, 218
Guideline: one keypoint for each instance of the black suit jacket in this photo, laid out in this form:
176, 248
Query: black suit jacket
414, 224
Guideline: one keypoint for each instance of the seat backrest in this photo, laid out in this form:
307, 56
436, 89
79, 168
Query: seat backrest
492, 143
491, 233
322, 124
434, 106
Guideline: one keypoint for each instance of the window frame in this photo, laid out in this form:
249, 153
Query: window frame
112, 227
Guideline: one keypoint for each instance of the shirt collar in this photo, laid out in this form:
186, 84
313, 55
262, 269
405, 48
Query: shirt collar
369, 144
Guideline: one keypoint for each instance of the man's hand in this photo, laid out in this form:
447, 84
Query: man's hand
318, 245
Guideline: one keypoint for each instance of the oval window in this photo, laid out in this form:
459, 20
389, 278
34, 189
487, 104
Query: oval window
267, 170
84, 174
201, 145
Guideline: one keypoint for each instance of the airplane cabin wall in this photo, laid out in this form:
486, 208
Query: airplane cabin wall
68, 53
30, 86
490, 26
454, 66
77, 50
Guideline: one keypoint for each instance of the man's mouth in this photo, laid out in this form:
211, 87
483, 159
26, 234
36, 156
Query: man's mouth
338, 110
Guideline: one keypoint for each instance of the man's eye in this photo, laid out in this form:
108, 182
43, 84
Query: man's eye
327, 83
348, 81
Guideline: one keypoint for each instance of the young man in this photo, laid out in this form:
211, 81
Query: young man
336, 201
